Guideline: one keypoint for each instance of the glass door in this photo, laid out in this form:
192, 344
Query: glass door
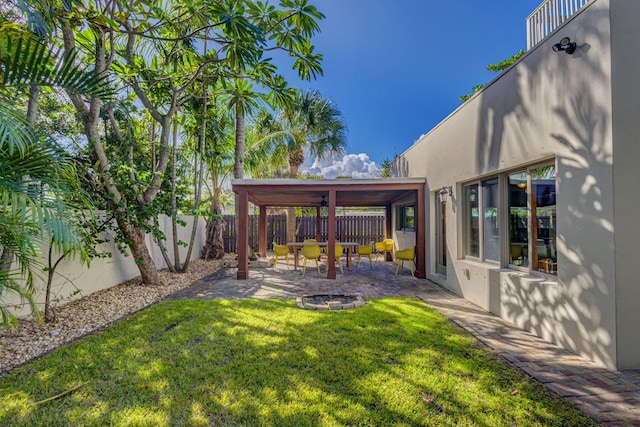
441, 235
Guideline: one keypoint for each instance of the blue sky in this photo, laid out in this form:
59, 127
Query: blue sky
396, 68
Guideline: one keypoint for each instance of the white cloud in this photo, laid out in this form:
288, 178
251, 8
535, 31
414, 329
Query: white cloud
353, 165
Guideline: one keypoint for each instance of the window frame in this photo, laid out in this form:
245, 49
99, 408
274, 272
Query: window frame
467, 215
402, 220
480, 195
531, 267
504, 206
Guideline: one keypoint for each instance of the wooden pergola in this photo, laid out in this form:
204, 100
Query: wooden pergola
269, 193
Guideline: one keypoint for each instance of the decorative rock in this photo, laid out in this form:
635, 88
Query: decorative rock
334, 305
31, 338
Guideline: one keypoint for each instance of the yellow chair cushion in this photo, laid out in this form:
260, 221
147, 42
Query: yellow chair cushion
365, 249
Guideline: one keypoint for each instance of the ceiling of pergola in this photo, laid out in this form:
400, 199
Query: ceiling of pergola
309, 192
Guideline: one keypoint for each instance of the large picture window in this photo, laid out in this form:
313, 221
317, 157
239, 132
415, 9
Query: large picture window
530, 212
532, 219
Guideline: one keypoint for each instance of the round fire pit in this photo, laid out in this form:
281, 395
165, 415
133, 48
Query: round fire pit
329, 302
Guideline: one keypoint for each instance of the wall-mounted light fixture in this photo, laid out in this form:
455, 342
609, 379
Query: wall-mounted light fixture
565, 45
444, 192
323, 203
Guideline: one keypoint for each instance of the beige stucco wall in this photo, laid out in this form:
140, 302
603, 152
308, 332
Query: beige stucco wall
104, 273
625, 66
558, 107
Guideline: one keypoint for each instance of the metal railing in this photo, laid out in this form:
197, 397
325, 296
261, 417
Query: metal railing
549, 16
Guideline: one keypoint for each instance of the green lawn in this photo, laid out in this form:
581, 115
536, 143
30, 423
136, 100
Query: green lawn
268, 363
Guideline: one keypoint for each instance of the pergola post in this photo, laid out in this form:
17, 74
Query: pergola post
318, 236
420, 221
243, 235
262, 232
388, 229
331, 238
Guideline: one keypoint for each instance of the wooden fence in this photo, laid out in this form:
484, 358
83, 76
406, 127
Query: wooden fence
363, 229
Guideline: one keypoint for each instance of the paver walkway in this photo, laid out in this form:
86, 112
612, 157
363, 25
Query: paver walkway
611, 398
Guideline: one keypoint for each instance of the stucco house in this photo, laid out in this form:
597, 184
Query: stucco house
532, 186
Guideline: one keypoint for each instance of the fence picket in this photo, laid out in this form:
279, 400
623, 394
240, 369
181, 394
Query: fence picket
363, 229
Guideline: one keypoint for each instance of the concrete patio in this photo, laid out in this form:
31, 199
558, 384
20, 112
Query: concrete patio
611, 398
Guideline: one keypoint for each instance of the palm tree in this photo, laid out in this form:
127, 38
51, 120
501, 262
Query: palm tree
314, 124
35, 173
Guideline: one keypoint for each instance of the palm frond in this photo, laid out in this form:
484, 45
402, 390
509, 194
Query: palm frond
25, 60
15, 132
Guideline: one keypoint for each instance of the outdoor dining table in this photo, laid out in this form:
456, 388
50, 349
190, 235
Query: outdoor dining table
349, 246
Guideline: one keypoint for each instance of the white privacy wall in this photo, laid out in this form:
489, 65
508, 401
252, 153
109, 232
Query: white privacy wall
104, 273
559, 107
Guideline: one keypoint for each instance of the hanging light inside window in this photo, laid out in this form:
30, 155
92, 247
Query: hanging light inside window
323, 203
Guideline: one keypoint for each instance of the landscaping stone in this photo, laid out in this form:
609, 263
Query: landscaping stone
30, 338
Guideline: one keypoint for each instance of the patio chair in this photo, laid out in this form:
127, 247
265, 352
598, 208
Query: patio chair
321, 248
365, 250
384, 247
310, 252
516, 254
405, 255
280, 251
339, 251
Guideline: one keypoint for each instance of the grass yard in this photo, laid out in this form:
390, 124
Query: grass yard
394, 362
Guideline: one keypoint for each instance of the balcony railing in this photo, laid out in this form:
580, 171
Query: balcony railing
549, 16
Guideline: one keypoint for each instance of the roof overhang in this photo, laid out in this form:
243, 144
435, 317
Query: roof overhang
309, 192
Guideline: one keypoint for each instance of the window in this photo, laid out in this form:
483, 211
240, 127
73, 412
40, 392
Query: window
532, 219
518, 220
471, 215
491, 219
530, 212
482, 221
405, 218
543, 219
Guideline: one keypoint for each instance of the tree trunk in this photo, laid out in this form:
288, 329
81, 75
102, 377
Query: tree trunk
139, 251
198, 169
296, 158
163, 251
214, 247
291, 224
90, 111
174, 201
32, 107
238, 166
